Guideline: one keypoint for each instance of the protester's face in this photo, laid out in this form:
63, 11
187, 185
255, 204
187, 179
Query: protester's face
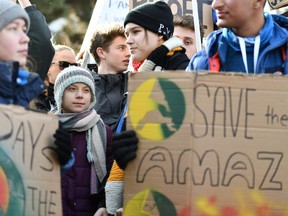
61, 55
117, 55
236, 14
14, 42
76, 98
188, 38
141, 42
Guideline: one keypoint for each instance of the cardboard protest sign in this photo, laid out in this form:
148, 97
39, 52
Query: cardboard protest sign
275, 4
210, 144
29, 172
184, 7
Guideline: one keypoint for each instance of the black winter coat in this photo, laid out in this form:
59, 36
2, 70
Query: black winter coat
111, 93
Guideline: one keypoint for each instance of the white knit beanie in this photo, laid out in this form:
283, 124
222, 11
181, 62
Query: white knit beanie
68, 76
10, 11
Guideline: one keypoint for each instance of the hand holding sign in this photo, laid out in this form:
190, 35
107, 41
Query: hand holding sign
63, 143
124, 147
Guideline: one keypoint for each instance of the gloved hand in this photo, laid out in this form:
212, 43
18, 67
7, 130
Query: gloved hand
156, 57
63, 145
124, 146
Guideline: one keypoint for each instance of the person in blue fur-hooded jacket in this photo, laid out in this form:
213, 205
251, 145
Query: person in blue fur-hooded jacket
249, 40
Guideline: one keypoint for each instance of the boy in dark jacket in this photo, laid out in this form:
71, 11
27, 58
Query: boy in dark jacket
109, 49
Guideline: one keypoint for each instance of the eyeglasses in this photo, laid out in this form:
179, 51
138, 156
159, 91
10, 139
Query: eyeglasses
64, 64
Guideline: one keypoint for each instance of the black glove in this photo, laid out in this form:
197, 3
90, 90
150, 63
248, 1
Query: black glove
124, 146
63, 145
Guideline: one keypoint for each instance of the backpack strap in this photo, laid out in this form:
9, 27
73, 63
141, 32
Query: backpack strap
120, 123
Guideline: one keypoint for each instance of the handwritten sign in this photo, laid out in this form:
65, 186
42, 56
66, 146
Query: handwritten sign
275, 4
210, 144
29, 171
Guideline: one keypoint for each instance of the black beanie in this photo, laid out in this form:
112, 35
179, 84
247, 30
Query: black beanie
156, 17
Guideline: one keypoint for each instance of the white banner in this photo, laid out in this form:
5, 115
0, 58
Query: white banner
275, 4
105, 12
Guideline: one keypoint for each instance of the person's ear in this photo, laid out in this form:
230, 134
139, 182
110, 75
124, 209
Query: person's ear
100, 52
160, 38
258, 3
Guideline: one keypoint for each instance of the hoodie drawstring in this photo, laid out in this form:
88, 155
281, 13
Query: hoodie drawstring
255, 54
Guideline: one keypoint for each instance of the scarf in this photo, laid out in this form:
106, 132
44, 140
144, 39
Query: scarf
136, 65
90, 122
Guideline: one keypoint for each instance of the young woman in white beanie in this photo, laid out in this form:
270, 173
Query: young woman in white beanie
83, 185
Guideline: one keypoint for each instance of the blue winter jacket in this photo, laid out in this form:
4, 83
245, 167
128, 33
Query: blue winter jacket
222, 51
18, 86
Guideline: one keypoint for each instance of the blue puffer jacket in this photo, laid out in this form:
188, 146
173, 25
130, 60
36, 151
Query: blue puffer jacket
222, 51
18, 86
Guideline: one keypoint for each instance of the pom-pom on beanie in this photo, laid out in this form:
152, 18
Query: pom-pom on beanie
10, 11
68, 76
156, 17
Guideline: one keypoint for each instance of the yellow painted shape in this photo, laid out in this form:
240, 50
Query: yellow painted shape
139, 106
206, 207
135, 206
